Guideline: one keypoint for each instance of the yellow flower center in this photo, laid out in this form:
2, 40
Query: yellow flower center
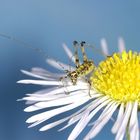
119, 77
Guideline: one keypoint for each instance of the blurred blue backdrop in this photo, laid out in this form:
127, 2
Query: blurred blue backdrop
47, 24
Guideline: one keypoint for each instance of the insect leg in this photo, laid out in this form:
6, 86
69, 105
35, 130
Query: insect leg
88, 81
85, 59
61, 79
89, 88
75, 43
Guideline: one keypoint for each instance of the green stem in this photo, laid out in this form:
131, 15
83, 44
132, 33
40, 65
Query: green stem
127, 133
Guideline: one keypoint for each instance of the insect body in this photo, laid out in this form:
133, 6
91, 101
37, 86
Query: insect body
81, 69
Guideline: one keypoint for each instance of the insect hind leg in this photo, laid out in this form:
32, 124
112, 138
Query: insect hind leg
85, 59
89, 87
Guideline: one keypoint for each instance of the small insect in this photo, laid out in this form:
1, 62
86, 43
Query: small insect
82, 70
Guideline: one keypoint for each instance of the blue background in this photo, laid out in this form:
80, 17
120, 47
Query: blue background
47, 24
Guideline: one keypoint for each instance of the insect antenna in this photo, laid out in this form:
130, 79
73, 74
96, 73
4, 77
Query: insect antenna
24, 44
96, 49
41, 51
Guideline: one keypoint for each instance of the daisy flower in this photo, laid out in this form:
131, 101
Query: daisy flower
115, 87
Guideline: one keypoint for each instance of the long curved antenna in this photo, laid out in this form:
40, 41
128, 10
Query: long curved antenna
44, 54
24, 44
96, 49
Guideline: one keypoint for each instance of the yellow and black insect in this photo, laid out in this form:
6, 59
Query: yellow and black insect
82, 70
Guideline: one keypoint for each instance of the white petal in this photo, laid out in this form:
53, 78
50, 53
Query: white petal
46, 73
137, 130
28, 102
73, 95
32, 108
51, 125
133, 115
48, 114
39, 70
68, 52
73, 120
133, 122
55, 95
38, 122
41, 82
87, 119
78, 113
104, 47
41, 98
124, 123
105, 111
47, 92
53, 103
33, 98
59, 65
99, 124
77, 130
121, 45
119, 119
58, 93
33, 75
88, 107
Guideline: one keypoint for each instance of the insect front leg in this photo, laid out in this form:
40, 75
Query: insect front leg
75, 45
62, 80
85, 59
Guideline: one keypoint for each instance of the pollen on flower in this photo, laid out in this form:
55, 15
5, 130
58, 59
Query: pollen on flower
119, 77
